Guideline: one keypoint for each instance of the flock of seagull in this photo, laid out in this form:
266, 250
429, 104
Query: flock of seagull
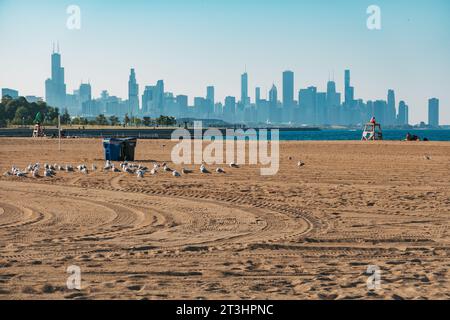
126, 167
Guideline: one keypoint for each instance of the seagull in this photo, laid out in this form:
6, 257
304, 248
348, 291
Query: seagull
36, 173
128, 170
203, 169
427, 157
186, 171
300, 164
48, 173
94, 167
20, 173
220, 170
84, 170
69, 168
140, 174
175, 173
233, 165
167, 169
108, 165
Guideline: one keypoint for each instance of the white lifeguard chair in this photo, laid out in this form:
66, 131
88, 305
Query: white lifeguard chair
38, 131
372, 131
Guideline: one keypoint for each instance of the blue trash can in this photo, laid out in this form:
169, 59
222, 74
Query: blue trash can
113, 149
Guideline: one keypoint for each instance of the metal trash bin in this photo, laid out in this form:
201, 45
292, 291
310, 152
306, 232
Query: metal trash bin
119, 149
113, 149
129, 146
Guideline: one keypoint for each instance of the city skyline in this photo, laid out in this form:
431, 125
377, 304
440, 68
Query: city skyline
312, 107
313, 39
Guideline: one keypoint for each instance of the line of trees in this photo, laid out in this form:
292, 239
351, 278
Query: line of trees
21, 112
102, 120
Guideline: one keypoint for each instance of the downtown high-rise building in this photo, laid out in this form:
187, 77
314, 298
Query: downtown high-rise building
288, 89
288, 96
403, 114
257, 95
55, 87
14, 94
391, 112
133, 94
244, 89
433, 112
349, 90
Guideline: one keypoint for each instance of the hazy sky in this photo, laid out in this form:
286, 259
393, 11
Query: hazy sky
194, 43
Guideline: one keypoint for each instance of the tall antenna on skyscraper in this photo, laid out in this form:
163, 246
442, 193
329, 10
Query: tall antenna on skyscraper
57, 46
53, 43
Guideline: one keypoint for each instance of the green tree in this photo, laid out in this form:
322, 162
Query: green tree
114, 121
22, 116
166, 121
147, 121
2, 115
101, 120
65, 118
126, 120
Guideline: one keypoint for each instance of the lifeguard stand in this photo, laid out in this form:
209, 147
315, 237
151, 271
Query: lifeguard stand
372, 131
38, 131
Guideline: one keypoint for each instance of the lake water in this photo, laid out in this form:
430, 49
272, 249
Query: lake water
432, 135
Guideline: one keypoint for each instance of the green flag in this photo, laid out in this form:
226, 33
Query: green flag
38, 118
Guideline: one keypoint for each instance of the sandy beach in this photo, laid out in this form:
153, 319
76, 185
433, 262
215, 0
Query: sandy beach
305, 233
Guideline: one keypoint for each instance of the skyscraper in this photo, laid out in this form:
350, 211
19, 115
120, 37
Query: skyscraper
349, 90
210, 94
402, 118
333, 103
433, 112
55, 88
210, 100
244, 89
308, 100
10, 93
379, 110
133, 93
229, 110
288, 89
159, 97
273, 96
257, 94
273, 104
182, 101
85, 93
391, 112
147, 100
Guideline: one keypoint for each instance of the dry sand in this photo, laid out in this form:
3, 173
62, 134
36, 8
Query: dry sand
306, 233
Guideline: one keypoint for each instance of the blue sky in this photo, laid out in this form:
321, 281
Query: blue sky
194, 43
